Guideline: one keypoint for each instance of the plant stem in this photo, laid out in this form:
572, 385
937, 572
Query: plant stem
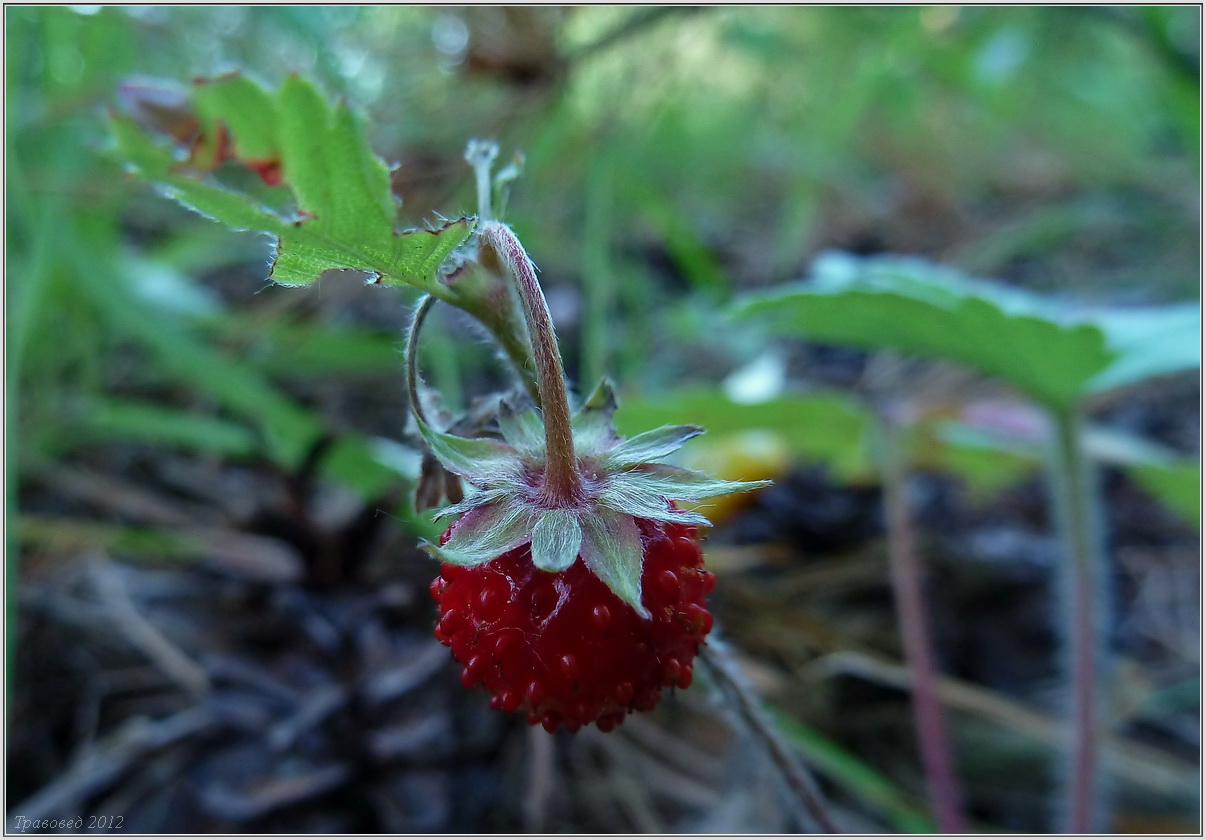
412, 354
485, 294
907, 581
725, 674
1085, 562
562, 484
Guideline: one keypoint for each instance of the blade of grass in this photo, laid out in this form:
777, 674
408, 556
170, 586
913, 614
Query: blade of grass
289, 431
27, 299
129, 420
598, 276
847, 769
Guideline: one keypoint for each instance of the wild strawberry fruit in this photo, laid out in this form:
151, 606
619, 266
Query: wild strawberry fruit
572, 587
561, 646
583, 612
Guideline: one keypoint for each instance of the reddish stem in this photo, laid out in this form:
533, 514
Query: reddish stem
562, 484
907, 577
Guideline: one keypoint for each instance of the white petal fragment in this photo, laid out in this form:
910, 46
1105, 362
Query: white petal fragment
652, 446
556, 540
611, 549
484, 533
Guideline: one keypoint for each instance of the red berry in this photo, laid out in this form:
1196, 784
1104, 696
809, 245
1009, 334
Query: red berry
565, 649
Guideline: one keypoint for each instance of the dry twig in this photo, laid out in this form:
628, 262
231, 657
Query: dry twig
748, 711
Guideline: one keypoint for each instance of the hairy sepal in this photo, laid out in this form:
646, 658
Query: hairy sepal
485, 533
651, 446
522, 429
631, 498
611, 549
593, 428
476, 500
626, 483
683, 485
556, 540
482, 462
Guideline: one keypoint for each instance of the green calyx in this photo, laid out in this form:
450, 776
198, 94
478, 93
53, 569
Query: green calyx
622, 480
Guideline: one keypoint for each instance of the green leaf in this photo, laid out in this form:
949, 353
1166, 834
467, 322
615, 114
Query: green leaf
245, 109
556, 540
346, 209
611, 549
913, 307
1150, 342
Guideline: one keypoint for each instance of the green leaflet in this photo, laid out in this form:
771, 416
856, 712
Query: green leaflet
346, 218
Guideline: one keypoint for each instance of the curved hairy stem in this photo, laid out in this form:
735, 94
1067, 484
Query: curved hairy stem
412, 355
562, 484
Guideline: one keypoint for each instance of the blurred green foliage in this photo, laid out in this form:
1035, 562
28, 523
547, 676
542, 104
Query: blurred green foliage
672, 155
